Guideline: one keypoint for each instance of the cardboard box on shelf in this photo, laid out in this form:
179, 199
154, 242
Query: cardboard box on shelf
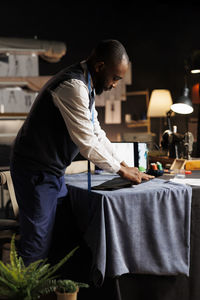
16, 100
19, 65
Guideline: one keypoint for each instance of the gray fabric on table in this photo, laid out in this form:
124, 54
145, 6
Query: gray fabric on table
144, 229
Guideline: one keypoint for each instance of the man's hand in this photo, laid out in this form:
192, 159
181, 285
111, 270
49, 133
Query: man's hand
130, 173
133, 174
146, 176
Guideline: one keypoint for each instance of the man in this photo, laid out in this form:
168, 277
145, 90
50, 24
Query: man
62, 122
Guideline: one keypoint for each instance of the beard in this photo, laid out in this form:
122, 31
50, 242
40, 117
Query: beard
101, 85
98, 89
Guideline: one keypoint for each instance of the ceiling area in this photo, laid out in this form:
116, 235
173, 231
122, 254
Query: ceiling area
158, 37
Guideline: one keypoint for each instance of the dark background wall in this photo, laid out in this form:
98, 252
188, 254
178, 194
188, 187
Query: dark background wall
158, 36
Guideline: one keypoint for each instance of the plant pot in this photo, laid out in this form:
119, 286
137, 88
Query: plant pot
67, 296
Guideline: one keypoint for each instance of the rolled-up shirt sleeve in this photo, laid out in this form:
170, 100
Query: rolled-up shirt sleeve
100, 133
72, 100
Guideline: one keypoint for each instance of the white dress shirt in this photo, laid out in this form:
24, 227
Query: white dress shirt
72, 99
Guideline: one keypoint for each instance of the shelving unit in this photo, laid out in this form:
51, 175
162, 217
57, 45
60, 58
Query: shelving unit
20, 81
140, 123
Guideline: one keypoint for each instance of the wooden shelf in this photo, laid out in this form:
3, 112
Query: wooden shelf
13, 116
34, 83
139, 123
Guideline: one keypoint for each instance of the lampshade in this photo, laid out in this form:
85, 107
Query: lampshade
160, 103
183, 105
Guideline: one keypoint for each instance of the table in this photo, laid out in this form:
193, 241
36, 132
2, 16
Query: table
145, 286
140, 229
132, 286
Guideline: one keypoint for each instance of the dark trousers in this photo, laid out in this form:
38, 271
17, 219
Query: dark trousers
37, 194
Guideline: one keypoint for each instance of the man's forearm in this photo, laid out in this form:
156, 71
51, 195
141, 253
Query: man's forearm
123, 164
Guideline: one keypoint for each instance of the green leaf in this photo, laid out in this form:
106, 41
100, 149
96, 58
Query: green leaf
53, 269
7, 284
33, 267
6, 272
13, 254
20, 282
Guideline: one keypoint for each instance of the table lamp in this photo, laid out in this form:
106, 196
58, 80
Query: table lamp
183, 104
194, 64
159, 105
195, 70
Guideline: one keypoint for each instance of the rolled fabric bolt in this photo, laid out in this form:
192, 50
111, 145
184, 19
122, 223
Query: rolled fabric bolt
2, 110
128, 118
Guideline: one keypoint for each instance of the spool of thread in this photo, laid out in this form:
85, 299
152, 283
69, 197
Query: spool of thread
159, 166
174, 129
154, 166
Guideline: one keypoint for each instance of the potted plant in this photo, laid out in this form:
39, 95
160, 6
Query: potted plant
68, 289
19, 282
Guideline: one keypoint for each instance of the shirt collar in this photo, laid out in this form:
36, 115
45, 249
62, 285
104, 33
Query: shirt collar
85, 69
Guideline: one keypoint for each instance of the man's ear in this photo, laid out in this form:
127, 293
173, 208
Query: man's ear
99, 66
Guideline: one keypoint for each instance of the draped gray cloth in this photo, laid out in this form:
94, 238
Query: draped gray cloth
51, 51
143, 229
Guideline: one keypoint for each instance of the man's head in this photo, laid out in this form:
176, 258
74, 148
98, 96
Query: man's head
107, 64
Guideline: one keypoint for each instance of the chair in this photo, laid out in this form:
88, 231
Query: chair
8, 226
79, 166
6, 181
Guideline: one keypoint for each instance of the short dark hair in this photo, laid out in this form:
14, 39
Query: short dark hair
110, 51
